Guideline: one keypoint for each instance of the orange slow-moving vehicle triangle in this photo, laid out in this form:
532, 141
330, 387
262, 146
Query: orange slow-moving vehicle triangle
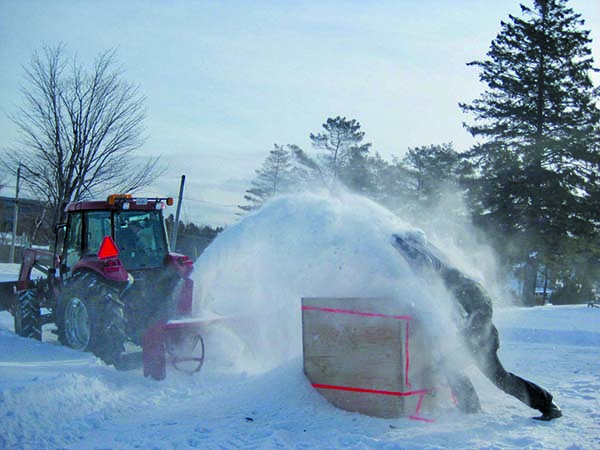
108, 249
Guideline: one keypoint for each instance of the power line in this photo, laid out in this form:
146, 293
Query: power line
209, 202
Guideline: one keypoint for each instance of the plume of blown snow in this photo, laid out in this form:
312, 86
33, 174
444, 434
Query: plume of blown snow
256, 272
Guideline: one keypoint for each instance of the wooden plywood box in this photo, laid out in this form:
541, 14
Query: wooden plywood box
356, 354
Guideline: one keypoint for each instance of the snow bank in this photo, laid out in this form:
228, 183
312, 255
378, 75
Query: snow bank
307, 245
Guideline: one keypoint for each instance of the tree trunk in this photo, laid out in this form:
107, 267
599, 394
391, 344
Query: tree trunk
529, 281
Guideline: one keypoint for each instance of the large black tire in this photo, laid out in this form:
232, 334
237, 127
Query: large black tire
90, 318
27, 315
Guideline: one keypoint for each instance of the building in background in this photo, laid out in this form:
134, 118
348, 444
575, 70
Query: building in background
32, 226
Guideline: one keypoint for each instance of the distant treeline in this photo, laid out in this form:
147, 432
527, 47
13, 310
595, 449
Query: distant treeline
192, 240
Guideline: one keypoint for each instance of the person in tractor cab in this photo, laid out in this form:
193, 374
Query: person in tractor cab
128, 238
480, 335
135, 227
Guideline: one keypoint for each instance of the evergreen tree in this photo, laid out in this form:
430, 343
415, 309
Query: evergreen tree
537, 164
389, 183
273, 177
345, 157
191, 239
573, 270
355, 173
306, 172
432, 169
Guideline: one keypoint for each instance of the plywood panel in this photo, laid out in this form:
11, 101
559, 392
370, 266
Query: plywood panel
354, 353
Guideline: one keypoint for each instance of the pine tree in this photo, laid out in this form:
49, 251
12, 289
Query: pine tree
537, 165
345, 156
306, 172
272, 178
432, 169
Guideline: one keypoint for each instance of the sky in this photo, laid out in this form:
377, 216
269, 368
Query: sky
226, 80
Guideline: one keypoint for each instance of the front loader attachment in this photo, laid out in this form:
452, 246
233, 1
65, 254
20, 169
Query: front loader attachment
176, 343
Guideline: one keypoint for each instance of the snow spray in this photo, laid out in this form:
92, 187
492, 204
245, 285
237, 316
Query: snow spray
256, 272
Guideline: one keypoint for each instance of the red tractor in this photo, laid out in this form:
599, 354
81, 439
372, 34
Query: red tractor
112, 281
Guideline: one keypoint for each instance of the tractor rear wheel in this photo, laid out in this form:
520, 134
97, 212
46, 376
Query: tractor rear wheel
90, 318
27, 315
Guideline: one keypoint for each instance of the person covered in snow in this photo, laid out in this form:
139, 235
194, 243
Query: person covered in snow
480, 334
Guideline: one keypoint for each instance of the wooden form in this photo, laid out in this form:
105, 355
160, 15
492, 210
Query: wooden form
357, 355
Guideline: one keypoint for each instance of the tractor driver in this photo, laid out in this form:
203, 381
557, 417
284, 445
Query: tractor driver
128, 238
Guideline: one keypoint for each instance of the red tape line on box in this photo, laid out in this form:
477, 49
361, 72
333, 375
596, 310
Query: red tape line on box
406, 357
421, 393
370, 391
358, 313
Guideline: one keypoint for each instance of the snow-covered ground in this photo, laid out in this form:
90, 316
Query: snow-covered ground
8, 272
252, 392
53, 397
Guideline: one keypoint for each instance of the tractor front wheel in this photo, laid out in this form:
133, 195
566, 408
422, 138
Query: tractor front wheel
90, 318
27, 315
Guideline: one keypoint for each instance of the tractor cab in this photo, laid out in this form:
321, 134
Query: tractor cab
135, 225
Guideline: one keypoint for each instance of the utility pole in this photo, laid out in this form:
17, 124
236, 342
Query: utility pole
15, 217
176, 224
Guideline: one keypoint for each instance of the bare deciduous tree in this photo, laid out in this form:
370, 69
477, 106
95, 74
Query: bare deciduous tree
79, 130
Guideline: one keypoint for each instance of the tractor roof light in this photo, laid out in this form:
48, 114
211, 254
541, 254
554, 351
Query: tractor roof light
159, 201
125, 199
113, 198
161, 205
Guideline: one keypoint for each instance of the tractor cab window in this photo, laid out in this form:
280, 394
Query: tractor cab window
140, 238
73, 245
98, 225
